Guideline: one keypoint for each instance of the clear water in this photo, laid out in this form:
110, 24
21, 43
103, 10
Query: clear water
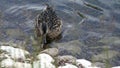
102, 20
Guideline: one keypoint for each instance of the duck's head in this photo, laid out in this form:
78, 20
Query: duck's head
48, 7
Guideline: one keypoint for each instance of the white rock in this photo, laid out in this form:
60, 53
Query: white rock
15, 53
7, 63
93, 67
68, 66
116, 67
22, 65
45, 61
45, 58
3, 56
38, 64
46, 65
83, 62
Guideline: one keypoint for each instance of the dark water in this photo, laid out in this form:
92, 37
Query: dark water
98, 19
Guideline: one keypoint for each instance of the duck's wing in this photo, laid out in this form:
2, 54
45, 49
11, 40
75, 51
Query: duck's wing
57, 24
54, 22
38, 25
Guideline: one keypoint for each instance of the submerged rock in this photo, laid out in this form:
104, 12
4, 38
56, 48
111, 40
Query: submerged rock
72, 47
99, 64
15, 33
110, 40
105, 55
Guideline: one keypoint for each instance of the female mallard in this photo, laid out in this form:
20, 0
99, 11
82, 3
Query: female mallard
48, 25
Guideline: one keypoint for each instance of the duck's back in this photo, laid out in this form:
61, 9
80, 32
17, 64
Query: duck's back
52, 20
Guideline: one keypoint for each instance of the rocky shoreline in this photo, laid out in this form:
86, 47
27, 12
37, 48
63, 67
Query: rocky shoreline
12, 56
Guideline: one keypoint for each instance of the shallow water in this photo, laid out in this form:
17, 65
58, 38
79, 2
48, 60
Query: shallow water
98, 19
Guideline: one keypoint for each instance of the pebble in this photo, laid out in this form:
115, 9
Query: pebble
61, 60
51, 51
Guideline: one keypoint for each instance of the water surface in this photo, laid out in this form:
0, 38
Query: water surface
99, 19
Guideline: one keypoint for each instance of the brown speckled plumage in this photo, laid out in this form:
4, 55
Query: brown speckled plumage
48, 24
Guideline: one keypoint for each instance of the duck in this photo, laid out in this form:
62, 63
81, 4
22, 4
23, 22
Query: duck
48, 25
